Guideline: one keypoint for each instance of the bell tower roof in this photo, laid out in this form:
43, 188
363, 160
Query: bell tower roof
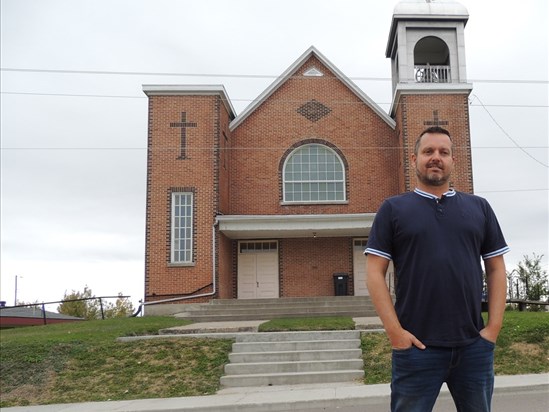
426, 46
434, 8
425, 10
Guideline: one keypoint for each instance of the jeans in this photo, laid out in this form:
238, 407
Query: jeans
419, 374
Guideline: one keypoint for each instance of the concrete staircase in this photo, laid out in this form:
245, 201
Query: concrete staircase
290, 358
219, 310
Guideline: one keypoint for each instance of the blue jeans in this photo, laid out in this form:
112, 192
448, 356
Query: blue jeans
419, 374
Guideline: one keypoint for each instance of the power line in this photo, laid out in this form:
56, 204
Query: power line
272, 148
74, 95
508, 135
528, 106
228, 75
511, 190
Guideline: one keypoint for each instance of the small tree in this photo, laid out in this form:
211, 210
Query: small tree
75, 304
533, 279
121, 308
85, 305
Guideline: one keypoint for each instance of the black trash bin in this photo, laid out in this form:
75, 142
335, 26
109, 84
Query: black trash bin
341, 284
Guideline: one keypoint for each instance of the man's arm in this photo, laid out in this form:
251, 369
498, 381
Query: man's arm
376, 268
497, 296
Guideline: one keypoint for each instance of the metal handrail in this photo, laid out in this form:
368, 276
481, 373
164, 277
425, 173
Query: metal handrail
43, 304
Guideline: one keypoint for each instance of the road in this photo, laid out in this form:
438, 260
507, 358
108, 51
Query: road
512, 400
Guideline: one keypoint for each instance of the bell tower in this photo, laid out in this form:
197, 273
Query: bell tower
427, 50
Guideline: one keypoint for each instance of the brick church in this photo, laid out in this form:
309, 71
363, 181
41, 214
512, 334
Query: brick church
278, 201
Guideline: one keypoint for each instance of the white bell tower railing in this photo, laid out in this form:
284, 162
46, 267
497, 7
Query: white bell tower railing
432, 74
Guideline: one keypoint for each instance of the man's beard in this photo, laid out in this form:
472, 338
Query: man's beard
433, 179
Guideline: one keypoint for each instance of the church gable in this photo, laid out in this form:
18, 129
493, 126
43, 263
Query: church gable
313, 68
313, 105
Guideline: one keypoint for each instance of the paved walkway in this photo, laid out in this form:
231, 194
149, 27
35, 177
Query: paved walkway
253, 325
271, 399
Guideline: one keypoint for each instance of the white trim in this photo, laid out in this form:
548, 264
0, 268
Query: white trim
495, 253
291, 71
423, 13
344, 181
295, 226
190, 90
313, 72
189, 262
428, 88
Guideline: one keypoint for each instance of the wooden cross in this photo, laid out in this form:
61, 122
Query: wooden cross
435, 121
183, 124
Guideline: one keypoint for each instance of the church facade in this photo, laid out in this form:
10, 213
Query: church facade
278, 201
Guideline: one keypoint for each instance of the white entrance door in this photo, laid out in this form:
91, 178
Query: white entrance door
258, 270
359, 269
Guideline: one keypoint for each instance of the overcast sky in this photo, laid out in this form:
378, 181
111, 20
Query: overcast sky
74, 118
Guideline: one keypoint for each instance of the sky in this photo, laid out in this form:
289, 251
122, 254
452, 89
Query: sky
73, 119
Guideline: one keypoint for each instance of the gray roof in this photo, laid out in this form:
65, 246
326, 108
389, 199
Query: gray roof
424, 8
32, 312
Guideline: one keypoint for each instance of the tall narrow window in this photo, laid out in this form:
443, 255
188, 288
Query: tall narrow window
314, 173
182, 228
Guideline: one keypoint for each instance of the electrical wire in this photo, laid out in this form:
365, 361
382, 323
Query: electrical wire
228, 75
508, 135
528, 106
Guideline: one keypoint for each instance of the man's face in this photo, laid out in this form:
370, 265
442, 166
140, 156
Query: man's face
434, 161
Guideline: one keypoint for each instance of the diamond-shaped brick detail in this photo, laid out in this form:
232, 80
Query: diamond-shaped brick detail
313, 110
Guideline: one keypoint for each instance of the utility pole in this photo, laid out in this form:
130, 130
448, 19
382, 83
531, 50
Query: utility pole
15, 298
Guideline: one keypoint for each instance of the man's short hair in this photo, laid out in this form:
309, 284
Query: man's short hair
432, 129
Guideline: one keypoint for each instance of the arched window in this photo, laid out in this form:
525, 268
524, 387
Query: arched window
431, 50
314, 173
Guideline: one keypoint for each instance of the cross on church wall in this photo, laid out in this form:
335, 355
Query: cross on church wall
183, 124
436, 121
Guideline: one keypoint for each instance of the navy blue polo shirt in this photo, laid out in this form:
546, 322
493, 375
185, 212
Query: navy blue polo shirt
436, 246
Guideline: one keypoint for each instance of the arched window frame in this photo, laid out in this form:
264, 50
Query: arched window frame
432, 71
333, 151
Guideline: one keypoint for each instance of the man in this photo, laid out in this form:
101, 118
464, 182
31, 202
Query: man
436, 237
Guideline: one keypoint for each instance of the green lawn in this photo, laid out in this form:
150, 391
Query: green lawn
60, 363
78, 362
522, 348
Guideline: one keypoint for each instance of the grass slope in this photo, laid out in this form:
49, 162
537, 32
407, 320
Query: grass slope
79, 362
522, 348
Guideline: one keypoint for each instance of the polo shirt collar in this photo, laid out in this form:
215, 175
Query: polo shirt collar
449, 193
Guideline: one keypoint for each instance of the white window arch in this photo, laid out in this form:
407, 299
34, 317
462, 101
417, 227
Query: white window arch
313, 173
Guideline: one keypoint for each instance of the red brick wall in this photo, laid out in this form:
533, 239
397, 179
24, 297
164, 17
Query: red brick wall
308, 265
265, 137
238, 173
414, 111
227, 273
167, 172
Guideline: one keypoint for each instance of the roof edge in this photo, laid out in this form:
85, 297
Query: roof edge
428, 88
190, 90
291, 70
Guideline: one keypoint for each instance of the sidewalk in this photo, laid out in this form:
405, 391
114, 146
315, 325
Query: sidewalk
270, 399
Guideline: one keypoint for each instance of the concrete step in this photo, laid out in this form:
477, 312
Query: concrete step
241, 347
304, 355
287, 358
273, 304
268, 379
293, 367
298, 336
219, 309
297, 300
197, 317
253, 309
